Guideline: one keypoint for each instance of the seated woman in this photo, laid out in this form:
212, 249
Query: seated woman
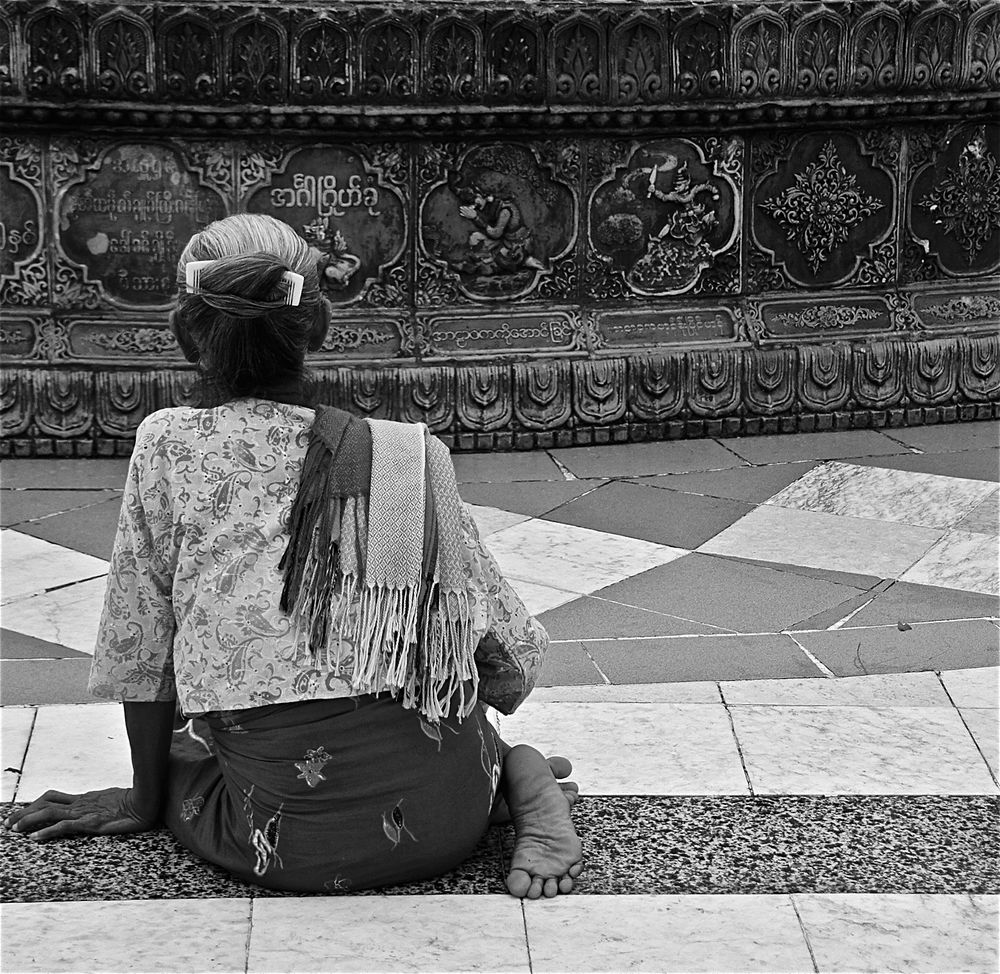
310, 592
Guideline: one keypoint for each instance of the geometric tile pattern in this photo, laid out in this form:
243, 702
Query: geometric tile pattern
805, 621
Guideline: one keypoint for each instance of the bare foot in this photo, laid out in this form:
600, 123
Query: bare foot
561, 769
547, 851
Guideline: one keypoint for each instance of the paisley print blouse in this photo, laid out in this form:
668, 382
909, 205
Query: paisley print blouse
191, 609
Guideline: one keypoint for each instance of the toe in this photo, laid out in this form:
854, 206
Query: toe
535, 890
550, 887
560, 767
518, 883
575, 869
566, 884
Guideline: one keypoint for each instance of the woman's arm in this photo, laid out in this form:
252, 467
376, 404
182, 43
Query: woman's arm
111, 811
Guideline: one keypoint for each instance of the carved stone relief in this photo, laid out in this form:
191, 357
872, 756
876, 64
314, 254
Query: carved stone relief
23, 268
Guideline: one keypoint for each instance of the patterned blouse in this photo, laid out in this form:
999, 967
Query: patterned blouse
191, 609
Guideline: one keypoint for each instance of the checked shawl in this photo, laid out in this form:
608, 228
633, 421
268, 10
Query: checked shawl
374, 577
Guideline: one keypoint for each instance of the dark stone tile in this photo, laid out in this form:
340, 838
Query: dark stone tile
830, 617
590, 618
18, 645
40, 681
643, 459
528, 498
813, 446
752, 484
906, 602
950, 437
64, 474
861, 582
971, 464
665, 517
568, 665
504, 468
885, 649
686, 659
153, 866
90, 530
17, 506
788, 844
728, 593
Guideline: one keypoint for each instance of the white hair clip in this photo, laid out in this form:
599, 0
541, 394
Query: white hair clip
290, 281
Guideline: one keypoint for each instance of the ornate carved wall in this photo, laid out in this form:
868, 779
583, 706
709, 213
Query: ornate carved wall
540, 224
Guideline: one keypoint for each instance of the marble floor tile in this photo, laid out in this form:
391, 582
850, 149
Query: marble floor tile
68, 616
880, 690
388, 933
531, 498
582, 560
15, 724
973, 464
984, 518
489, 520
30, 565
76, 748
908, 933
961, 559
540, 598
628, 693
813, 446
665, 933
504, 468
879, 494
645, 459
635, 748
751, 484
58, 474
830, 750
984, 725
826, 541
978, 687
144, 935
949, 437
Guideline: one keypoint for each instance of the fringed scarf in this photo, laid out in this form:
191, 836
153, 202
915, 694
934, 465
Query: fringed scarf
374, 562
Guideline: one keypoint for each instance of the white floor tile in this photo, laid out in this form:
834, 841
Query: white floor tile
16, 727
635, 748
492, 519
76, 748
575, 559
388, 933
663, 934
694, 692
68, 616
825, 541
911, 933
540, 598
142, 935
978, 687
984, 725
961, 559
877, 690
29, 565
881, 494
859, 751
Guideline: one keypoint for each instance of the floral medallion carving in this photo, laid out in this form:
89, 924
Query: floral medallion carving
822, 220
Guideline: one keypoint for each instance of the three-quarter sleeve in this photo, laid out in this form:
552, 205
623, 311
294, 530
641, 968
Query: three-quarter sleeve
133, 658
513, 644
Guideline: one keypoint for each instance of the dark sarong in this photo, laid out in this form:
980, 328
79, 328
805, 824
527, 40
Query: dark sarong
332, 795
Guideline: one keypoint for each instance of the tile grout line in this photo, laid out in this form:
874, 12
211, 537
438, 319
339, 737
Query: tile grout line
805, 933
563, 469
604, 676
527, 943
965, 724
246, 961
819, 664
736, 739
839, 624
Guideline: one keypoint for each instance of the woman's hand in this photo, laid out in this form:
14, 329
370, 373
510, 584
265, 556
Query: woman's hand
109, 811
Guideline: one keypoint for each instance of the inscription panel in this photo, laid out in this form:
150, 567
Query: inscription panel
473, 334
23, 270
126, 219
633, 329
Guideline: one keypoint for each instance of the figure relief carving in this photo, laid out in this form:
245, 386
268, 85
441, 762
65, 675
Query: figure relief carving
322, 62
497, 220
876, 52
55, 55
514, 62
660, 219
453, 61
877, 369
122, 54
656, 386
638, 49
699, 43
190, 58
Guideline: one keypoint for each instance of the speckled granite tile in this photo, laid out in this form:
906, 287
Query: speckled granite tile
915, 934
879, 494
665, 934
859, 751
961, 559
16, 728
121, 936
978, 687
31, 565
153, 865
984, 725
787, 844
418, 933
